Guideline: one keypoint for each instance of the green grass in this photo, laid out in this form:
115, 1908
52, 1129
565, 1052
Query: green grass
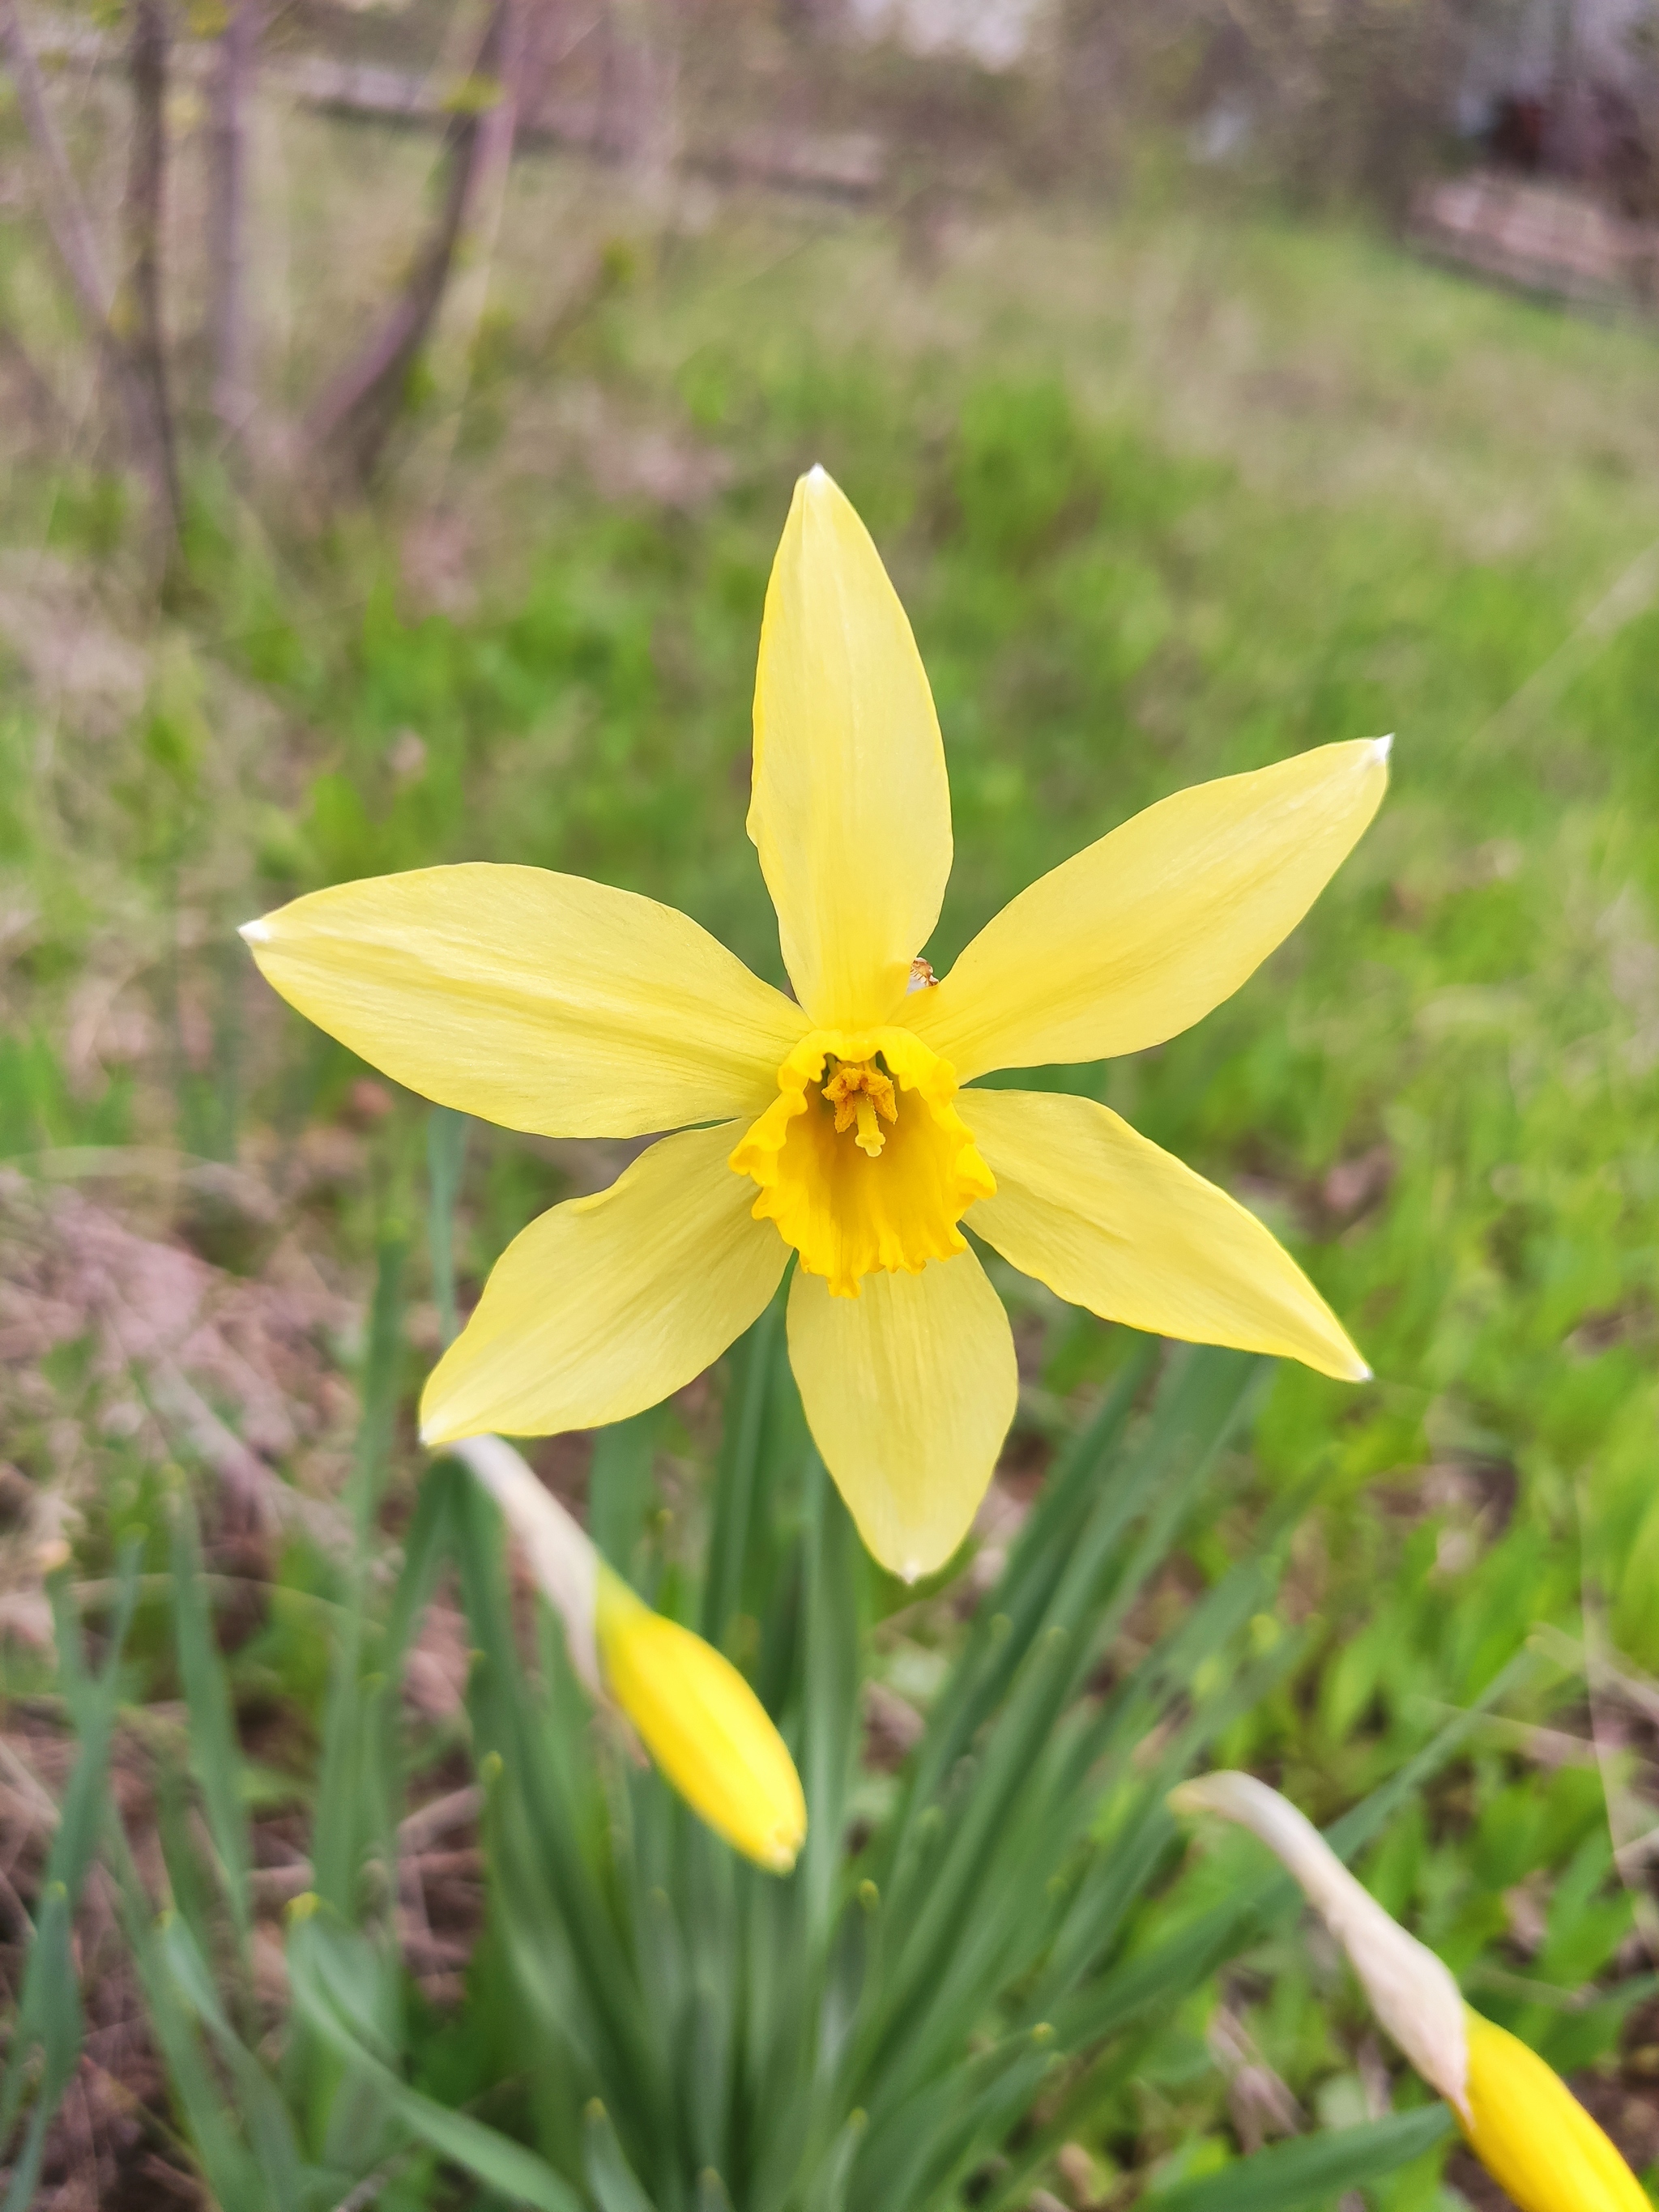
1166, 498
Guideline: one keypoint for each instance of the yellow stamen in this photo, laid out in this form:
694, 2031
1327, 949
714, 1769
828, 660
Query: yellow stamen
856, 1093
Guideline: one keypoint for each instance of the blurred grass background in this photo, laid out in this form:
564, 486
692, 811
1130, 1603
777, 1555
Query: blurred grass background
1170, 488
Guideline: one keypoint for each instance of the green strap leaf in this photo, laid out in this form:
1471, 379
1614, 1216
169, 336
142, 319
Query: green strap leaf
610, 2176
216, 1757
1312, 2168
49, 2006
499, 2163
446, 1157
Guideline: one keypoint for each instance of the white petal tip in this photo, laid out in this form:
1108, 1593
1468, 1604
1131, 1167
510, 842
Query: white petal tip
817, 474
255, 932
1381, 747
1363, 1373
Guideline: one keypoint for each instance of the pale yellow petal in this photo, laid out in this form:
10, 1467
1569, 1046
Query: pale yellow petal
703, 1725
909, 1389
1533, 2137
1139, 935
608, 1304
851, 811
1111, 1221
538, 1001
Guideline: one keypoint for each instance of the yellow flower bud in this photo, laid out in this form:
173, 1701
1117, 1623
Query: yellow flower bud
703, 1725
1518, 2117
1533, 2137
698, 1719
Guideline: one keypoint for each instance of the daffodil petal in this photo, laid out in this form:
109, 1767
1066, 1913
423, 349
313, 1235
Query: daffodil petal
851, 811
909, 1389
608, 1304
1111, 1221
703, 1725
541, 1001
1139, 935
1533, 2137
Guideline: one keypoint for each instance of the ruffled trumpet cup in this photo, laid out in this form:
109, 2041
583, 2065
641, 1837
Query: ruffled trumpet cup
834, 1125
1518, 2117
702, 1725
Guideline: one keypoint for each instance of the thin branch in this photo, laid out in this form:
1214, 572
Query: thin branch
146, 347
65, 213
358, 411
69, 227
1625, 1814
39, 400
228, 162
453, 350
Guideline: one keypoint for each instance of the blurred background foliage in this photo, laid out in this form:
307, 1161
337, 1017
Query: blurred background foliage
1181, 462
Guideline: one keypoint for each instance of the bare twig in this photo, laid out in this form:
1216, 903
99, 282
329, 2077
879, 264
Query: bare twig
228, 326
69, 227
146, 192
358, 411
455, 344
1631, 594
1621, 1680
1625, 1815
640, 117
39, 400
61, 204
416, 1833
417, 1829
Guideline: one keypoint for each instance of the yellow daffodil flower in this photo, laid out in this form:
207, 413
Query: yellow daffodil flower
1517, 2116
834, 1125
696, 1716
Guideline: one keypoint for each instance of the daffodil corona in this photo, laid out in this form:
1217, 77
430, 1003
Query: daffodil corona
835, 1126
1518, 2117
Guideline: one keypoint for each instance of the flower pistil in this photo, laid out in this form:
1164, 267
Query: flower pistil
857, 1092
